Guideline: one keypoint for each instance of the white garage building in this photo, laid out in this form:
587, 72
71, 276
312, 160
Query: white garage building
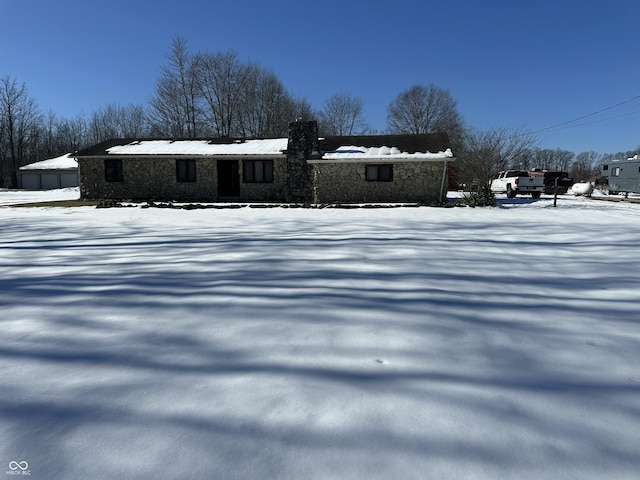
59, 172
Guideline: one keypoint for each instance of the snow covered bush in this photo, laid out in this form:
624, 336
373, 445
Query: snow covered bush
482, 197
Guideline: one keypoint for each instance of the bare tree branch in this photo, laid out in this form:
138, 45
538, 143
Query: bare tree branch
343, 114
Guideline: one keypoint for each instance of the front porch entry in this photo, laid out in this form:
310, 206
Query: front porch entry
228, 178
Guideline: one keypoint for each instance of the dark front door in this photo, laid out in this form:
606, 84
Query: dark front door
228, 178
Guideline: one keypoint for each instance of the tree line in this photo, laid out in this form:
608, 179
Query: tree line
216, 94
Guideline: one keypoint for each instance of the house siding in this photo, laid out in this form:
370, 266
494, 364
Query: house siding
417, 182
155, 179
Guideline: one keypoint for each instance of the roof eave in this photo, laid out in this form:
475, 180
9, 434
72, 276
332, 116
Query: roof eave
181, 156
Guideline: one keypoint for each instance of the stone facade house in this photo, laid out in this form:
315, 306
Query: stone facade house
300, 168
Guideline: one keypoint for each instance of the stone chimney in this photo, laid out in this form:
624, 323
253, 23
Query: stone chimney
303, 145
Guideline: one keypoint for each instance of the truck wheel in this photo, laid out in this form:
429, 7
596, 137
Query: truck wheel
535, 194
510, 192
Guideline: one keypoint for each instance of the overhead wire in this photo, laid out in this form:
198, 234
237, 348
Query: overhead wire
582, 117
597, 121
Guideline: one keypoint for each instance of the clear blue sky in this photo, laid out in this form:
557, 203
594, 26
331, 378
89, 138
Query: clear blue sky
528, 65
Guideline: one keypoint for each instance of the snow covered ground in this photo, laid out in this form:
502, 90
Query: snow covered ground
11, 197
430, 343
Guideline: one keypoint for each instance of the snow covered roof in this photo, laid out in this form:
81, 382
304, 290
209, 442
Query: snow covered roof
384, 153
385, 148
273, 146
372, 148
63, 162
212, 148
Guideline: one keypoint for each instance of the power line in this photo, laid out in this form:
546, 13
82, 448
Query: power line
582, 117
599, 121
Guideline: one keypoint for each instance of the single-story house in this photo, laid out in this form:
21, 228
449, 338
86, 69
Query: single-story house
59, 172
300, 168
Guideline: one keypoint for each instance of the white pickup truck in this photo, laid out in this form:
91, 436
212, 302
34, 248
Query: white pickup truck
514, 182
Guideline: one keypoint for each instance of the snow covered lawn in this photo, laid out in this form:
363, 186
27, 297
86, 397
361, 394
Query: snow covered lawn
407, 343
10, 197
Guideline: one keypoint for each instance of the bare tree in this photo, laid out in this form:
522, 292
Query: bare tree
585, 166
116, 121
217, 94
429, 109
19, 122
298, 108
610, 157
58, 136
49, 127
71, 134
244, 99
550, 159
222, 81
562, 160
301, 109
543, 157
174, 108
266, 108
487, 152
343, 114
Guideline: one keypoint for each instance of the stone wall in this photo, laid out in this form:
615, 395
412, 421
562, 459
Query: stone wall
155, 179
415, 182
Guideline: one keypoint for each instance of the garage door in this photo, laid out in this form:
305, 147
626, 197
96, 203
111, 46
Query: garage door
31, 181
49, 181
68, 180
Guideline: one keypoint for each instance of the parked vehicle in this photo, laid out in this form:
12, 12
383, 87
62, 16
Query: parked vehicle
623, 176
554, 181
518, 182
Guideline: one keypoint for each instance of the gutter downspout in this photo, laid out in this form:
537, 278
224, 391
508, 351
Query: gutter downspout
444, 175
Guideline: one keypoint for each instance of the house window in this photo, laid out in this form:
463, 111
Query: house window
615, 172
258, 171
186, 170
605, 167
113, 170
379, 173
